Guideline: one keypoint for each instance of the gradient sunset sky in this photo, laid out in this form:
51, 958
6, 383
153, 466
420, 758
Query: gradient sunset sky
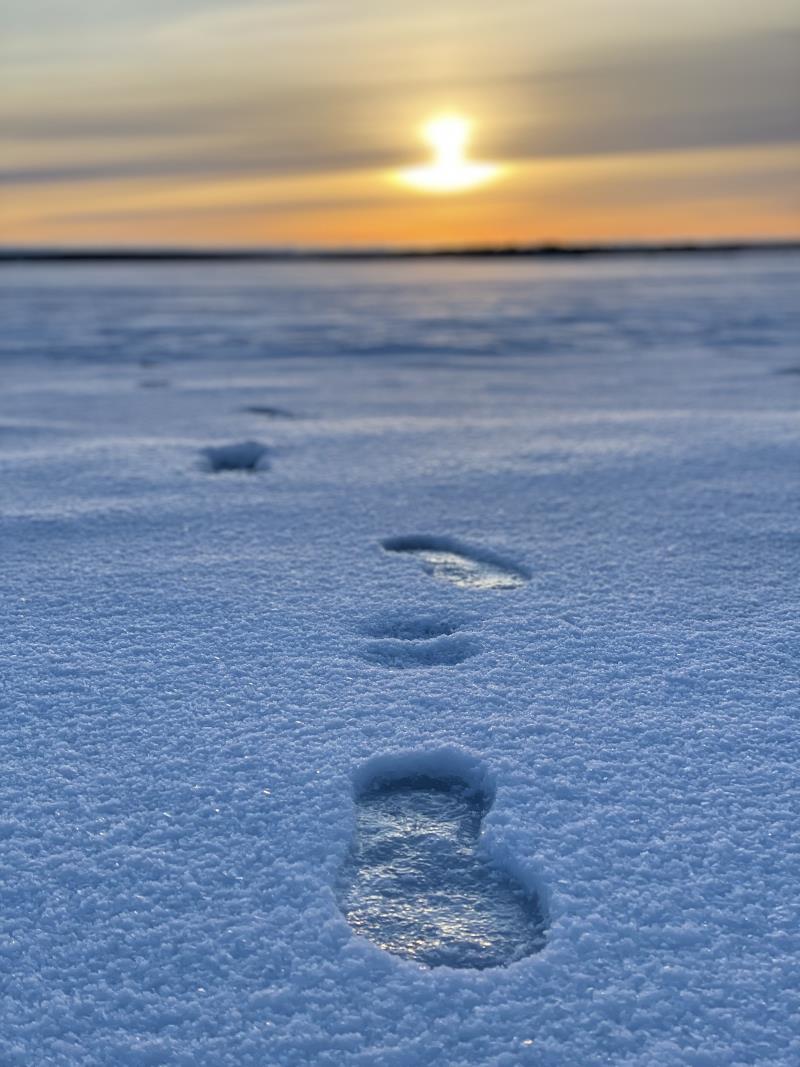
285, 122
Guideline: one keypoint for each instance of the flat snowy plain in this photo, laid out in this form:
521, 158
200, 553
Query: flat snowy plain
204, 666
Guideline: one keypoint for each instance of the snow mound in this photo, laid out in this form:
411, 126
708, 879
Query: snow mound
247, 456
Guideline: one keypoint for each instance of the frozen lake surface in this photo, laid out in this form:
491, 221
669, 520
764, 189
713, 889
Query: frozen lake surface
400, 663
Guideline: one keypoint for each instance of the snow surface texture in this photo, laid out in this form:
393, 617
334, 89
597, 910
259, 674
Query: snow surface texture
203, 672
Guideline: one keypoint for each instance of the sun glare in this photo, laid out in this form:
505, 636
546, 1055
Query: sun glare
450, 171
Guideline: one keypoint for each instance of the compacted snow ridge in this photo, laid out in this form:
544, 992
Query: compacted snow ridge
458, 727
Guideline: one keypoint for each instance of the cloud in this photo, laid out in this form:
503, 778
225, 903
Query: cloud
209, 165
193, 92
736, 92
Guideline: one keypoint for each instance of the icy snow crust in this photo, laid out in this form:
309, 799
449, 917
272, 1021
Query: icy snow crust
451, 561
416, 881
203, 671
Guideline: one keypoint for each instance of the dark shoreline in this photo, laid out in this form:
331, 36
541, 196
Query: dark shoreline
546, 251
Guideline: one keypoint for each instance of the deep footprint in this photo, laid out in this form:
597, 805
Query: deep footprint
415, 885
449, 560
247, 456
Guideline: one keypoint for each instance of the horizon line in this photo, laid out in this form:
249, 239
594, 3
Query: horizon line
546, 249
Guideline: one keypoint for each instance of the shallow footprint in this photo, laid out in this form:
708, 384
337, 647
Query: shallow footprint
267, 411
415, 884
443, 651
415, 628
451, 561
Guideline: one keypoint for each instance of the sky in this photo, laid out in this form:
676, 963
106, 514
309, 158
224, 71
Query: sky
293, 122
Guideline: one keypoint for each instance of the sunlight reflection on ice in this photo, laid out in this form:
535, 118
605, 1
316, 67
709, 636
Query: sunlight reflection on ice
416, 886
449, 561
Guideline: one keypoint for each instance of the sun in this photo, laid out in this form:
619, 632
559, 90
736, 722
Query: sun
450, 171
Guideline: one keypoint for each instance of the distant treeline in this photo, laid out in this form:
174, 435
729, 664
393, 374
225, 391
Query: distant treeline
260, 255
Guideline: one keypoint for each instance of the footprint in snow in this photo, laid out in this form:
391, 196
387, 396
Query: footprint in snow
418, 882
267, 411
449, 560
418, 642
247, 456
434, 652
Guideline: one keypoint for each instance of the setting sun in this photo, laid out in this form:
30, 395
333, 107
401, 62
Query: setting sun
449, 172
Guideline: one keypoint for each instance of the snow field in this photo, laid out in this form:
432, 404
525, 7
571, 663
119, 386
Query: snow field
205, 672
